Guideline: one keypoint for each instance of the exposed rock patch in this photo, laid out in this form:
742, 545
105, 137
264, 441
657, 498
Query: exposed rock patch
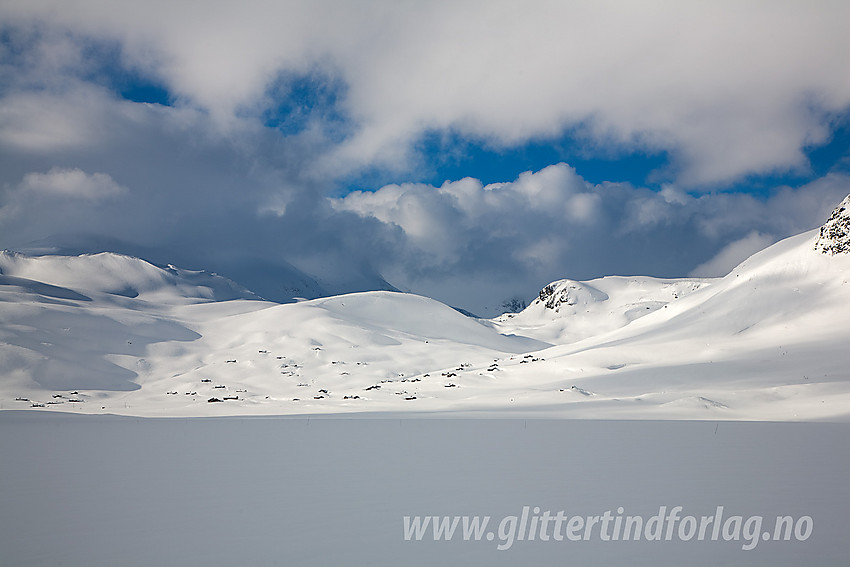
835, 233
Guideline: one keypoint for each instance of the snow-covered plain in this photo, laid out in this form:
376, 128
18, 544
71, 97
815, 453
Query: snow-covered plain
107, 333
324, 434
100, 491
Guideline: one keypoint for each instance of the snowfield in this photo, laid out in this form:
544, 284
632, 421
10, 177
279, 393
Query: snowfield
100, 491
107, 333
305, 433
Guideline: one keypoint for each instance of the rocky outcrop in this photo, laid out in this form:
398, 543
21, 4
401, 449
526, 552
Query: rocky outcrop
834, 235
569, 292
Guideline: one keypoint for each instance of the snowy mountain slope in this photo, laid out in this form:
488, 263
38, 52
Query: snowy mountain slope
768, 341
64, 346
365, 351
108, 323
275, 280
63, 319
120, 275
110, 333
566, 311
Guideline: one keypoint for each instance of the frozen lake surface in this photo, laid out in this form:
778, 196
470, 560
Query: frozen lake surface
86, 490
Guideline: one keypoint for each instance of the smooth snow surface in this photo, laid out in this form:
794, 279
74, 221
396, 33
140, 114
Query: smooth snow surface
113, 334
101, 491
304, 433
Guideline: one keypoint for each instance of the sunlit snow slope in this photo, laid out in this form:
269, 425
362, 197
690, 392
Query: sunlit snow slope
768, 341
109, 333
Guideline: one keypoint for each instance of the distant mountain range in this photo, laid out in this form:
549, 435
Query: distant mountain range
111, 333
272, 279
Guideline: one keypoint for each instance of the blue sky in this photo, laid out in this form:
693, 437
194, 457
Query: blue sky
472, 151
455, 158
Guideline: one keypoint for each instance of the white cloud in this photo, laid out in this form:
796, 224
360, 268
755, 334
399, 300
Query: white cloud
553, 224
732, 254
33, 122
727, 88
72, 183
449, 222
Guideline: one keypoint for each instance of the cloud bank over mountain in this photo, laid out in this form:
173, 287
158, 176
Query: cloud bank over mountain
295, 133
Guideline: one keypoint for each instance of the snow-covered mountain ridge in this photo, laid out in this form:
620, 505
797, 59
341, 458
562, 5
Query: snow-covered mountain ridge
111, 333
566, 311
120, 275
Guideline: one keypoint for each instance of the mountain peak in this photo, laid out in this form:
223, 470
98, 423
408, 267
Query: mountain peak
568, 292
835, 233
